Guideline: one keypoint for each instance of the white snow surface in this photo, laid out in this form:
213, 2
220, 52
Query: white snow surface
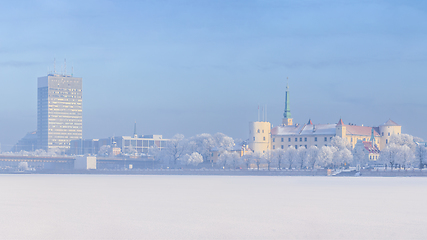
211, 207
319, 129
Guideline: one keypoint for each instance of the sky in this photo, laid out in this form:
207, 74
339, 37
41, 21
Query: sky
194, 67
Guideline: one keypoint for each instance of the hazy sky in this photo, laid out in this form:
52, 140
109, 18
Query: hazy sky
204, 66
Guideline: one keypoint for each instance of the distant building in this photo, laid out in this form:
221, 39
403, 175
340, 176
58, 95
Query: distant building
59, 111
27, 143
372, 152
123, 144
263, 138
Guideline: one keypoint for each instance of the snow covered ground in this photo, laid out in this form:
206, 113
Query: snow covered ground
211, 207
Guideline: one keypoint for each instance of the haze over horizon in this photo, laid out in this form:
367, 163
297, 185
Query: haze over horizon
192, 67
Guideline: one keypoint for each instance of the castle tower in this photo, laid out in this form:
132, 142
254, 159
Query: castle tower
259, 136
341, 129
287, 119
387, 129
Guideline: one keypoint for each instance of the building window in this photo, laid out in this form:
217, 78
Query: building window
274, 139
326, 139
274, 147
389, 134
263, 138
282, 146
305, 146
330, 138
300, 139
382, 134
282, 139
254, 138
263, 131
296, 146
364, 139
305, 139
386, 141
289, 146
258, 130
289, 139
315, 139
296, 139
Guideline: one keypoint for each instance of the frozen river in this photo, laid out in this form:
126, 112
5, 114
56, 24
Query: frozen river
211, 207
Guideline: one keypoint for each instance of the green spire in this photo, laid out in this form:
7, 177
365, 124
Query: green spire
372, 137
287, 113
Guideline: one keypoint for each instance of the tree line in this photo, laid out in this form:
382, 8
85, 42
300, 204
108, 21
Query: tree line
402, 152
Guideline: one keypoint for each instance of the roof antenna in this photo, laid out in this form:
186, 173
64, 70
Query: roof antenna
72, 70
54, 65
266, 112
65, 66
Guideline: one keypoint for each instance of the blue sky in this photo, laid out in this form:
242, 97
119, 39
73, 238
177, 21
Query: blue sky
204, 66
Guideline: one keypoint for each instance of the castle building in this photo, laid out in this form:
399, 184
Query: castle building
263, 138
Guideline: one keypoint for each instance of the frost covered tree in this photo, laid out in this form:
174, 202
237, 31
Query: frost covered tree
301, 157
312, 158
193, 159
203, 144
290, 156
279, 157
175, 149
247, 159
405, 157
359, 155
389, 155
342, 156
233, 160
402, 140
258, 158
325, 155
421, 155
223, 142
269, 159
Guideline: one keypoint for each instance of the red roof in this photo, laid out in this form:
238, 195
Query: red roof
340, 122
309, 122
390, 123
360, 130
371, 149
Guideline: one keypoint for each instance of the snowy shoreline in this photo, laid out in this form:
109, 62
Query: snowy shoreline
217, 172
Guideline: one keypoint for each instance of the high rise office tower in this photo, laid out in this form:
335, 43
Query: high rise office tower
59, 111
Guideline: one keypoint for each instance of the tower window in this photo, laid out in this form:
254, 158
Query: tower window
254, 138
315, 139
274, 139
382, 134
274, 147
263, 138
296, 146
282, 139
326, 139
263, 131
386, 141
258, 130
300, 139
305, 139
389, 134
282, 146
296, 139
289, 139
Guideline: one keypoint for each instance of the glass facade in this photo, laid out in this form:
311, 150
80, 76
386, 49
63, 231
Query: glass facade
59, 111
